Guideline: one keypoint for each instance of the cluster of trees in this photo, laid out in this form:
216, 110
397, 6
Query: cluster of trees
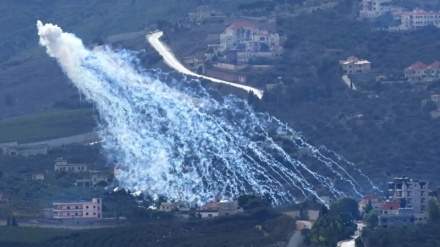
335, 224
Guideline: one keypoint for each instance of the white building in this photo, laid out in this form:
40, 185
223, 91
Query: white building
412, 193
203, 13
62, 165
15, 149
248, 41
374, 8
353, 65
81, 210
418, 18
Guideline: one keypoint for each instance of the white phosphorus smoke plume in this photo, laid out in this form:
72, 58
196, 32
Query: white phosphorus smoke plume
173, 139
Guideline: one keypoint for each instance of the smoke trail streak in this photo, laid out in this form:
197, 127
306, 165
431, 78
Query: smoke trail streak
172, 138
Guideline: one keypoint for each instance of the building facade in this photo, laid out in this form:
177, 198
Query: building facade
401, 217
62, 166
419, 72
418, 18
410, 193
14, 149
203, 13
353, 65
374, 8
80, 210
376, 203
246, 41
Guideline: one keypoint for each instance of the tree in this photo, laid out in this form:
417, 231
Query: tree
368, 207
372, 218
14, 221
433, 211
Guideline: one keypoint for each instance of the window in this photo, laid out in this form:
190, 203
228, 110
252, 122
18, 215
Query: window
94, 213
87, 213
94, 206
76, 214
68, 207
209, 215
87, 207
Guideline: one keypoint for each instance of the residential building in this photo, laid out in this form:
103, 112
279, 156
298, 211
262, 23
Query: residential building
390, 208
401, 217
246, 41
421, 72
62, 165
374, 8
15, 149
92, 181
203, 13
410, 193
376, 203
37, 176
169, 206
418, 18
228, 208
222, 208
353, 65
82, 210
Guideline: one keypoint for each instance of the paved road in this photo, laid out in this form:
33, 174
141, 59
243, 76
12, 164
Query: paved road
348, 82
351, 242
297, 239
171, 60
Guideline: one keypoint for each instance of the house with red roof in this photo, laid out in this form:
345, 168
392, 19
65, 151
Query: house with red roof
416, 72
390, 207
421, 72
434, 69
375, 201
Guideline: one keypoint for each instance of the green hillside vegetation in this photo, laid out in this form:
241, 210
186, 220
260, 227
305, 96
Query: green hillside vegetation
382, 127
229, 231
47, 125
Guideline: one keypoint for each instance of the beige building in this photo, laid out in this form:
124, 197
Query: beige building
418, 18
74, 210
37, 176
62, 165
374, 8
421, 72
353, 65
203, 13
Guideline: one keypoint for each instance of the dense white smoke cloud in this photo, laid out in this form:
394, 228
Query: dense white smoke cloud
173, 139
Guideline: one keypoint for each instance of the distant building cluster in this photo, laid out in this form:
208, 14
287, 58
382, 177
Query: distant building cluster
417, 18
210, 210
61, 165
406, 204
419, 72
243, 40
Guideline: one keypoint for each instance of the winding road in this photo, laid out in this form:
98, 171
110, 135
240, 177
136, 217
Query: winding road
171, 60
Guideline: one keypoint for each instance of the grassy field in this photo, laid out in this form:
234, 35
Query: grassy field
21, 236
47, 125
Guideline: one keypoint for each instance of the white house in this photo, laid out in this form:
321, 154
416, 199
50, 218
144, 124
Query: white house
418, 18
374, 8
62, 165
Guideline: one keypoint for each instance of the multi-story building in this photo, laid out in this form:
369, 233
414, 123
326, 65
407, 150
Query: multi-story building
353, 65
62, 165
78, 210
400, 217
418, 18
374, 8
410, 193
245, 41
421, 72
